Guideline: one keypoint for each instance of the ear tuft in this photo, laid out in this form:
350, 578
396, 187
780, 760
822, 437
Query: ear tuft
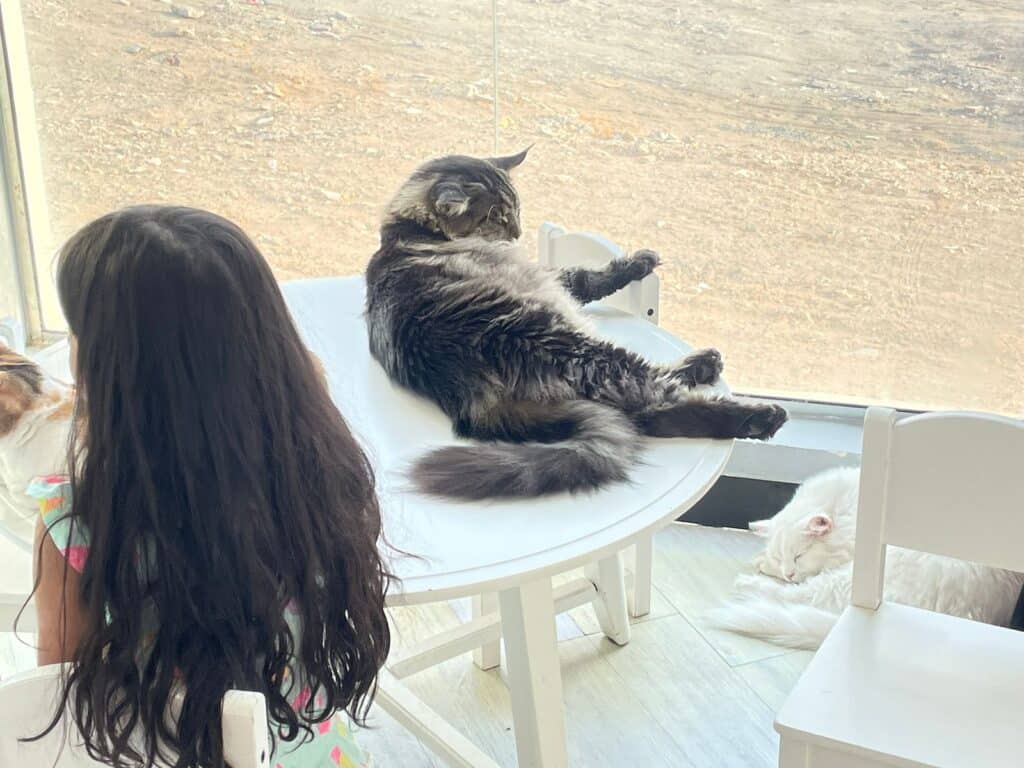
760, 528
819, 525
509, 162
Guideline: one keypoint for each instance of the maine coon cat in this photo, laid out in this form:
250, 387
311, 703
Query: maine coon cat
458, 313
35, 418
805, 574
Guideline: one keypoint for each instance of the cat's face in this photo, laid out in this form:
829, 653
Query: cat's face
795, 552
20, 384
814, 531
462, 196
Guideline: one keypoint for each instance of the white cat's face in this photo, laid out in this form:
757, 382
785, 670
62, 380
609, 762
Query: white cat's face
795, 553
814, 531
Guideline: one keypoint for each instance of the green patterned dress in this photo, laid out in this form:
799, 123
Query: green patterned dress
332, 743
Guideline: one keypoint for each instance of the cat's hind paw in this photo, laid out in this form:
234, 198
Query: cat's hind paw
763, 422
702, 367
642, 263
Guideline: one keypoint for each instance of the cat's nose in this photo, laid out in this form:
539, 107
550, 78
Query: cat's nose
791, 575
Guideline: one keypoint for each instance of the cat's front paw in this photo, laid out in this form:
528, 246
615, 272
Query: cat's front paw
763, 422
642, 263
702, 367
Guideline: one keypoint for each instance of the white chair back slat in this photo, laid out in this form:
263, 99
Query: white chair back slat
869, 546
928, 482
559, 249
245, 728
28, 701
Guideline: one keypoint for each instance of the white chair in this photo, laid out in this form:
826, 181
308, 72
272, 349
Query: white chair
560, 249
15, 583
899, 686
28, 700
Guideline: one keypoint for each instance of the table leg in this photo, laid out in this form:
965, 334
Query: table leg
534, 675
611, 605
643, 567
487, 656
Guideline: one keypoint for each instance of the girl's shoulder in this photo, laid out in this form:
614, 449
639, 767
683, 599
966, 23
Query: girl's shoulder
53, 492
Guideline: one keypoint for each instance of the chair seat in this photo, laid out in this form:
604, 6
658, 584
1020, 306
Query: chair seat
913, 688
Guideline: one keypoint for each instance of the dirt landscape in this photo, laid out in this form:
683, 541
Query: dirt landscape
837, 189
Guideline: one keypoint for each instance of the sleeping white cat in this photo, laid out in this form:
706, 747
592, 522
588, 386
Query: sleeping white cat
806, 572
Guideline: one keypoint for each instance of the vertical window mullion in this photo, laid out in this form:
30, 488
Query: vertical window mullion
24, 195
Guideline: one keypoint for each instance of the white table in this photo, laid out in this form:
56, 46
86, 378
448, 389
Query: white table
509, 547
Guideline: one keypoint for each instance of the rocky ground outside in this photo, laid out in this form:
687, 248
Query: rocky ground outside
837, 189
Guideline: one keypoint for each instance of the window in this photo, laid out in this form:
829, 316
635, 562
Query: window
837, 190
296, 122
12, 314
12, 328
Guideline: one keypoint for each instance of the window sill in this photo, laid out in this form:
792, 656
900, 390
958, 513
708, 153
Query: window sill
818, 436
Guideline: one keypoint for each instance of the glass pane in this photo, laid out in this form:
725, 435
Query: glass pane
837, 189
296, 119
11, 329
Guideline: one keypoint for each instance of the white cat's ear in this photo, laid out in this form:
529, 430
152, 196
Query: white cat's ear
451, 201
762, 528
819, 525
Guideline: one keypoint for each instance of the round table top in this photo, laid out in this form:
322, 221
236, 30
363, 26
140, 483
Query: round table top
456, 549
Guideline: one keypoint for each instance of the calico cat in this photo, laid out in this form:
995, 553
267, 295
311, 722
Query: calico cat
457, 312
35, 420
805, 574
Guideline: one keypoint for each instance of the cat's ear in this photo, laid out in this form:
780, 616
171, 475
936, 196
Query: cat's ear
509, 162
762, 528
451, 201
819, 525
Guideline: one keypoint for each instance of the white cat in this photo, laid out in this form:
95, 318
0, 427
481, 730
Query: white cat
806, 572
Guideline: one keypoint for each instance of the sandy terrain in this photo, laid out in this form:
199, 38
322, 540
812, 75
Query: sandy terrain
837, 188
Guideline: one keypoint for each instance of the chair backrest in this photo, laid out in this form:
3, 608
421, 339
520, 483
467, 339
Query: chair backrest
558, 248
946, 483
28, 700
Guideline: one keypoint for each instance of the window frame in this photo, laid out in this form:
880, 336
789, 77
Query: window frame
25, 206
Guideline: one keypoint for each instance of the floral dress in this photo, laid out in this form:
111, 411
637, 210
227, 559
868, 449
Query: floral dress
332, 743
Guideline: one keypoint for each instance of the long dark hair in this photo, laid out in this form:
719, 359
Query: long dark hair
217, 482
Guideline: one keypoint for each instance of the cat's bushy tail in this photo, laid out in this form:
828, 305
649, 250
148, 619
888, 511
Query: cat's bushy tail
599, 445
786, 624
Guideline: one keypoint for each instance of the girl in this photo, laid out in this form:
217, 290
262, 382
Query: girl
219, 526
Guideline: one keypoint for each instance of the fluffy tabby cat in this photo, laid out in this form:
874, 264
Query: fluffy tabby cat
805, 574
458, 313
35, 418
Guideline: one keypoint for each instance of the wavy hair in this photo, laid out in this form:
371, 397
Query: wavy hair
218, 483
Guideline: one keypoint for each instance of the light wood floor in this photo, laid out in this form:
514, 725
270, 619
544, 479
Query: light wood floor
678, 695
